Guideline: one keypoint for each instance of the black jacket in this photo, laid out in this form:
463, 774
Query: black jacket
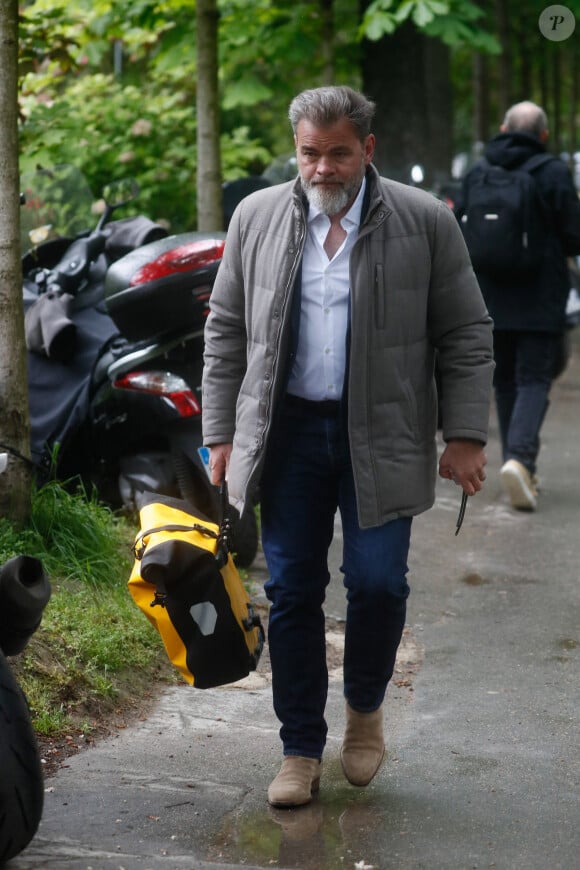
538, 303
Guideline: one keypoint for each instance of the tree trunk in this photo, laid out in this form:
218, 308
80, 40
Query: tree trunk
407, 75
573, 103
557, 102
505, 58
439, 97
327, 41
16, 481
526, 60
480, 98
209, 189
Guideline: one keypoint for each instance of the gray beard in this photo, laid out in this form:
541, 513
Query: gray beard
328, 201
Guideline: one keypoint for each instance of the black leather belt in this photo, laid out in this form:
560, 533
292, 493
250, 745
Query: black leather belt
298, 405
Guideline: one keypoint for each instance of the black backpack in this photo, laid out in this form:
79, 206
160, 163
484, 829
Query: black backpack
504, 218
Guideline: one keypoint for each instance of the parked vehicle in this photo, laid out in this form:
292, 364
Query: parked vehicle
24, 593
114, 325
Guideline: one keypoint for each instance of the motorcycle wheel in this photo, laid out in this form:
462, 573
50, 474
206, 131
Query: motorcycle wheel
21, 782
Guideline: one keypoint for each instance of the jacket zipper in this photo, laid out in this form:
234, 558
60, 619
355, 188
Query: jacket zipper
283, 310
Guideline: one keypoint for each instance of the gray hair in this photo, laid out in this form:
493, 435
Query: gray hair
526, 117
325, 106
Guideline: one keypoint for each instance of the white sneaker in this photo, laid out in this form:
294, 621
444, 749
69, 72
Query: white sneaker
519, 485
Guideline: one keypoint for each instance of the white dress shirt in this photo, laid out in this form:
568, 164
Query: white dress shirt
319, 367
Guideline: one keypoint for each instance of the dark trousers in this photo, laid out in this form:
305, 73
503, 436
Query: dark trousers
307, 476
525, 365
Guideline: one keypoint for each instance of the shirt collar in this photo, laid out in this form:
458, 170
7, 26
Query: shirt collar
352, 216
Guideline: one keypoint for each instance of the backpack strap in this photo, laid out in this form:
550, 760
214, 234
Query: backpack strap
530, 165
534, 162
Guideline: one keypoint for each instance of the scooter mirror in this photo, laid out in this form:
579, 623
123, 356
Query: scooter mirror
118, 193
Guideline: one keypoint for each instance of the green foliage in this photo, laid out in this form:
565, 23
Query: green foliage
46, 44
139, 122
109, 131
88, 640
111, 86
92, 634
79, 534
139, 118
270, 51
74, 536
455, 22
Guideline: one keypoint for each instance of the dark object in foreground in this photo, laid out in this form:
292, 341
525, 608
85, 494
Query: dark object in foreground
24, 593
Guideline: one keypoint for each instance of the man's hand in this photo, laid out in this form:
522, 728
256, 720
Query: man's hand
219, 460
463, 462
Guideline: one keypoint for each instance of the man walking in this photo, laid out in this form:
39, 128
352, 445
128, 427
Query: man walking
527, 307
333, 296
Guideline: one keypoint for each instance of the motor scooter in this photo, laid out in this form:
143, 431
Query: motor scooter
114, 324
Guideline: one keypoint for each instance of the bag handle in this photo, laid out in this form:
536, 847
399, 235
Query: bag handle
225, 524
139, 546
224, 537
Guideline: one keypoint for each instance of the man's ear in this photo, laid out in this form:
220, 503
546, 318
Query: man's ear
369, 148
503, 128
544, 136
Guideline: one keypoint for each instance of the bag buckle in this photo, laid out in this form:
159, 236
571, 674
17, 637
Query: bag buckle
158, 599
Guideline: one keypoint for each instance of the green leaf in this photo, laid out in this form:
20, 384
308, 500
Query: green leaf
422, 14
405, 10
378, 26
247, 92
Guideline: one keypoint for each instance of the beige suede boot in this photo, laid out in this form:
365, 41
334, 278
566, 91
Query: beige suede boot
296, 782
363, 746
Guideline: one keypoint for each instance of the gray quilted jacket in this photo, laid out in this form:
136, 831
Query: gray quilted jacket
413, 294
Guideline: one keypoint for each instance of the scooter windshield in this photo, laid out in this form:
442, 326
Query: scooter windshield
56, 203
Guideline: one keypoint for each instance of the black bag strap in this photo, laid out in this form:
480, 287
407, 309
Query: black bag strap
534, 162
223, 537
226, 526
530, 165
139, 546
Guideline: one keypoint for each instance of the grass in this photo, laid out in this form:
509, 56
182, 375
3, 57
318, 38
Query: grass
94, 646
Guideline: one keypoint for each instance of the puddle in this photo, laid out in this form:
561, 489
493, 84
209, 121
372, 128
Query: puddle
474, 579
339, 829
567, 643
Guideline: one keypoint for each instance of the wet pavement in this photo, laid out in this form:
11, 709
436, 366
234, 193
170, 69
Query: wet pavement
481, 720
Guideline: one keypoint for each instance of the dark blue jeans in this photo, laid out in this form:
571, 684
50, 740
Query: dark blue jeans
307, 477
524, 369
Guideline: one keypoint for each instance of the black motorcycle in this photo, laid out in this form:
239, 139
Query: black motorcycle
24, 593
114, 326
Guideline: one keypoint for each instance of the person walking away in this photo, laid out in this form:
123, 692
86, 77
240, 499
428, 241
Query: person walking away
334, 293
520, 263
